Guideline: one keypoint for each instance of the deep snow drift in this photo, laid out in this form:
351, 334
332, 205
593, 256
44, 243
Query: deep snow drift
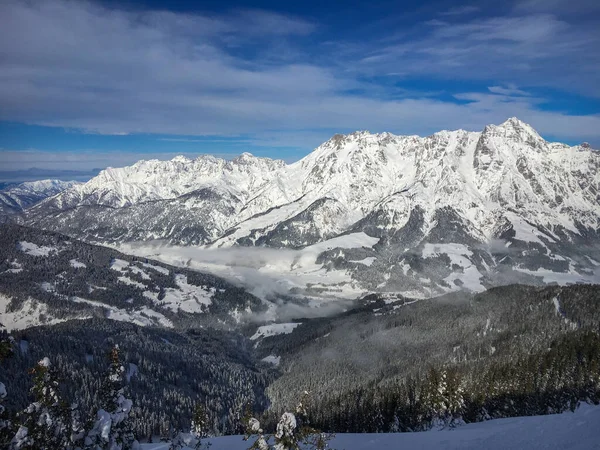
579, 430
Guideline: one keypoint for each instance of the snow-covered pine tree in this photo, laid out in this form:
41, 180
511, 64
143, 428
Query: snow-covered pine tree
454, 398
443, 398
77, 431
253, 430
112, 429
293, 432
432, 400
199, 430
200, 426
6, 425
46, 421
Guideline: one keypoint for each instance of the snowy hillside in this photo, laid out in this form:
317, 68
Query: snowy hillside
455, 210
46, 278
573, 431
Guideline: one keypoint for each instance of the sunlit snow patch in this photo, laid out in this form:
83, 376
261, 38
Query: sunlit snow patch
274, 330
76, 264
29, 315
159, 269
187, 297
124, 266
143, 316
459, 254
35, 250
272, 359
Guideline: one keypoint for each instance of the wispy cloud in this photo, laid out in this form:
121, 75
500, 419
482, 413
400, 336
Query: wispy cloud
510, 89
461, 10
236, 141
569, 7
252, 73
11, 160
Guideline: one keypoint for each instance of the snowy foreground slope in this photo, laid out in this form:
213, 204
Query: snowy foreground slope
579, 430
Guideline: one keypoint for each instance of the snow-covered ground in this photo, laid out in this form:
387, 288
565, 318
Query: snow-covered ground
574, 431
35, 250
28, 316
274, 330
459, 255
33, 313
187, 297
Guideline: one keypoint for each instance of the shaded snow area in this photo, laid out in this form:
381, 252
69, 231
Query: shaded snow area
459, 255
274, 330
353, 240
159, 269
570, 277
16, 267
33, 313
124, 266
567, 431
35, 250
366, 261
188, 297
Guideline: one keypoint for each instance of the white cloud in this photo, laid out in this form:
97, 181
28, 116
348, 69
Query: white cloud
535, 49
108, 71
510, 89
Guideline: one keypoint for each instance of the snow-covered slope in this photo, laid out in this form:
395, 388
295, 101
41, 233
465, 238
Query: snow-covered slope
16, 198
502, 205
578, 430
47, 278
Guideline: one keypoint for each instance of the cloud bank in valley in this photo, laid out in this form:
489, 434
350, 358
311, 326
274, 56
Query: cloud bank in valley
280, 276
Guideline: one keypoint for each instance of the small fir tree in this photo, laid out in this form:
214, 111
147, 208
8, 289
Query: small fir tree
199, 430
112, 429
6, 424
293, 432
45, 424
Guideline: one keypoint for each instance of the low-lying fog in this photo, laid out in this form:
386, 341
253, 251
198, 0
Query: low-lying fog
269, 273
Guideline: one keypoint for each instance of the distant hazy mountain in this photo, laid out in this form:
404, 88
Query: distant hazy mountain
15, 198
455, 210
35, 173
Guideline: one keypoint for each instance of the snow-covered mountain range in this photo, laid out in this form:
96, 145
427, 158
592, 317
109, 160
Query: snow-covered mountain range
16, 198
453, 210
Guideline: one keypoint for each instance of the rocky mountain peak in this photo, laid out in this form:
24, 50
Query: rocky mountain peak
181, 159
457, 188
515, 130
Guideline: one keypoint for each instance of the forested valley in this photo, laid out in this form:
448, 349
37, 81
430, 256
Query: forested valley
387, 365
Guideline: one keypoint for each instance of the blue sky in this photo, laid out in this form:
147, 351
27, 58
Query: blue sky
98, 83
